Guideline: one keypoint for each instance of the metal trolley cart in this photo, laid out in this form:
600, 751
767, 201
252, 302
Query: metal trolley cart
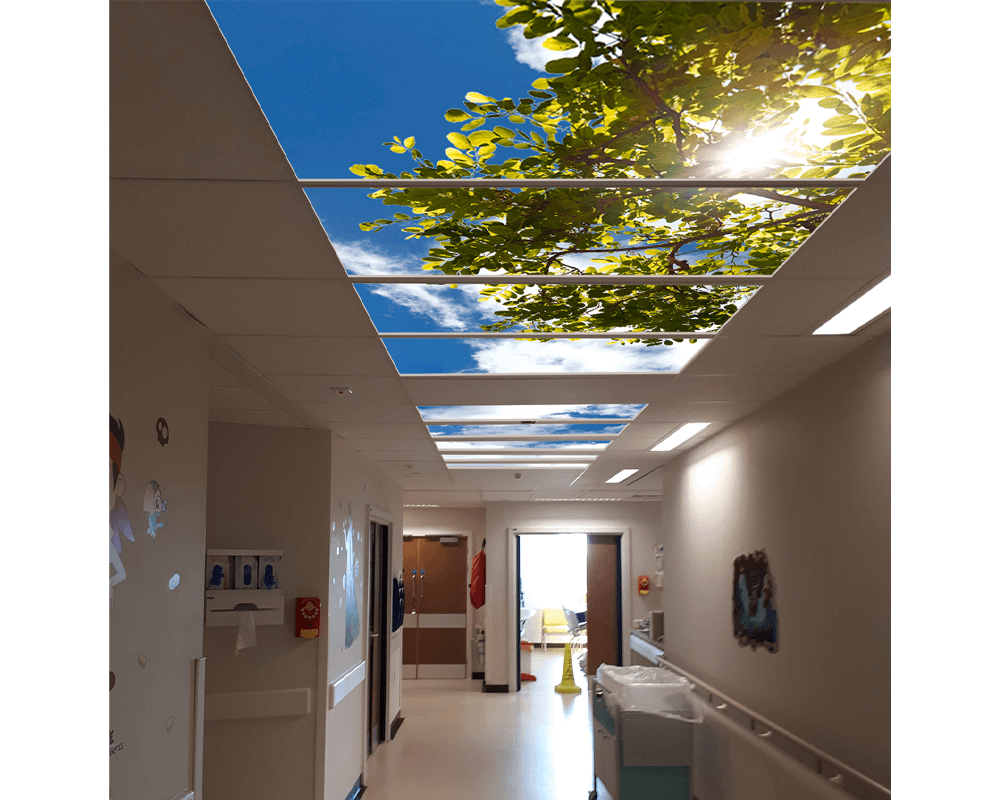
643, 739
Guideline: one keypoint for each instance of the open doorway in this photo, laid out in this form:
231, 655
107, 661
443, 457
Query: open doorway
569, 590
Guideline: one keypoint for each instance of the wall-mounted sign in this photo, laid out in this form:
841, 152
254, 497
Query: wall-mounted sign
755, 615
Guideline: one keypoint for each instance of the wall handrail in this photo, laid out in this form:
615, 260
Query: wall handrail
848, 779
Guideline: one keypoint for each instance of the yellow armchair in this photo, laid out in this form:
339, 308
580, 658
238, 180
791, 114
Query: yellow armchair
553, 622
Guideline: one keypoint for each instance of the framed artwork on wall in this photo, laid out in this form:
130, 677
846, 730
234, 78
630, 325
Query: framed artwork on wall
755, 615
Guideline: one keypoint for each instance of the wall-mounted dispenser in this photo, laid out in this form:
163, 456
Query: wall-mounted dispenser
223, 603
658, 575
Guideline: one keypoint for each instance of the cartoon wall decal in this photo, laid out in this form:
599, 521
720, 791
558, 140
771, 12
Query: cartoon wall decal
142, 660
352, 628
162, 432
174, 582
755, 616
120, 524
154, 505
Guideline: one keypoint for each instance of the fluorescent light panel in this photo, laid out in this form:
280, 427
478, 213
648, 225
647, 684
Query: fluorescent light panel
422, 505
862, 311
681, 435
619, 477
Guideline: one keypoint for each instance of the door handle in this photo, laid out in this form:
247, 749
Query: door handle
421, 583
413, 574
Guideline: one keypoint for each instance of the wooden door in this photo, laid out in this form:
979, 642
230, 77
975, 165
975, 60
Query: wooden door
604, 634
411, 570
442, 587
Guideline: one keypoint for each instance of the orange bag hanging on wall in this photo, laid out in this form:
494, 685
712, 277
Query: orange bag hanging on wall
477, 587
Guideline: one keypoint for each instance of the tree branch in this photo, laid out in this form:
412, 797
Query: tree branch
804, 217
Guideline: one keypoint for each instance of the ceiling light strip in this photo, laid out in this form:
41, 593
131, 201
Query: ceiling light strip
569, 280
534, 421
618, 477
550, 335
540, 437
580, 183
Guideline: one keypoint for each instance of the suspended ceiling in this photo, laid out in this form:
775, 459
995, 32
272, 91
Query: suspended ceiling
205, 203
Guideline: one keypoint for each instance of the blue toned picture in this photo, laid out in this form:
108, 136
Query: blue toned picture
755, 616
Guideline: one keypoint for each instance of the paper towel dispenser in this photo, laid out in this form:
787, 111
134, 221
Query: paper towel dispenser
221, 607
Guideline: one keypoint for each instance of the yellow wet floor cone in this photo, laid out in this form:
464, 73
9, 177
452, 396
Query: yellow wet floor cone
568, 686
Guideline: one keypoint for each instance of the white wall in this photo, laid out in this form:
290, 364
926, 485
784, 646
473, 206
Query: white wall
806, 478
309, 494
269, 488
356, 488
158, 368
643, 520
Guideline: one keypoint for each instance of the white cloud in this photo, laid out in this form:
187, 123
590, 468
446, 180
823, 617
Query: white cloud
451, 309
583, 356
530, 51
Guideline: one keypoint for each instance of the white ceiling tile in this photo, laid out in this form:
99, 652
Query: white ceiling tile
491, 496
473, 390
238, 397
707, 411
353, 411
403, 456
220, 376
793, 307
311, 355
272, 307
179, 104
380, 430
250, 416
746, 355
219, 229
389, 445
365, 388
755, 388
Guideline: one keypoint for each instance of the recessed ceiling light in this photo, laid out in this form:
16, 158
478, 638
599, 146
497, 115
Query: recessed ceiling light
421, 506
625, 473
861, 311
682, 434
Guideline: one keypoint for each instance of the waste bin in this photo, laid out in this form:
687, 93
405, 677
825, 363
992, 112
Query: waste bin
643, 740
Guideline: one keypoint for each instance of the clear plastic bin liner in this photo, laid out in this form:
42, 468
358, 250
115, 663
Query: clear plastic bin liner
651, 690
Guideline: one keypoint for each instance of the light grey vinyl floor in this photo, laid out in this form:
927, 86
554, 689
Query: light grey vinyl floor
457, 742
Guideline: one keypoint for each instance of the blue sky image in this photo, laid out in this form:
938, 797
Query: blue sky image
338, 78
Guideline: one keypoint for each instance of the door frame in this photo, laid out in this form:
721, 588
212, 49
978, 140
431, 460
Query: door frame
379, 517
514, 603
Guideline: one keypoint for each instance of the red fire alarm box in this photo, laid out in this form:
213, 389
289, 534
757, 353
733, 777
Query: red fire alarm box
307, 617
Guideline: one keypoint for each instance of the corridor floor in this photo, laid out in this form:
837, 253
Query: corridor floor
457, 742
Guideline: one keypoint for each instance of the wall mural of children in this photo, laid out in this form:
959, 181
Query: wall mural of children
120, 524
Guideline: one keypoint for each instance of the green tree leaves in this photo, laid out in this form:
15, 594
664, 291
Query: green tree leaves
659, 89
